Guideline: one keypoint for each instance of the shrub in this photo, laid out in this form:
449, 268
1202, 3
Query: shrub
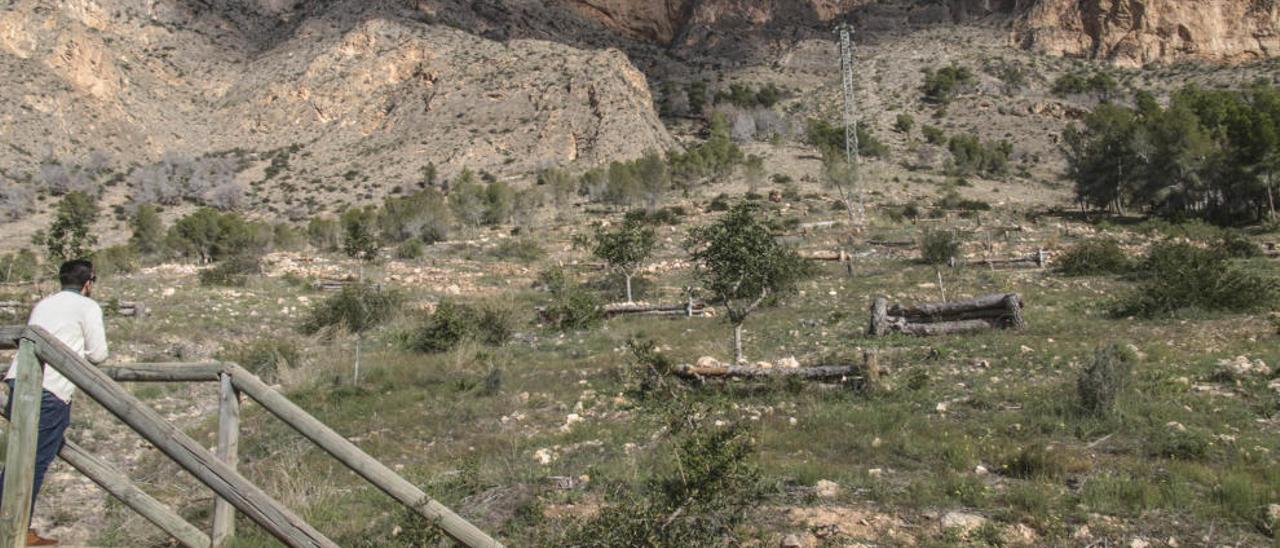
942, 85
938, 247
970, 155
1105, 379
700, 500
20, 266
233, 272
412, 248
1094, 257
1236, 244
117, 259
324, 234
422, 215
1043, 462
904, 123
148, 230
452, 323
266, 357
1178, 276
826, 136
522, 250
934, 135
572, 307
207, 235
357, 308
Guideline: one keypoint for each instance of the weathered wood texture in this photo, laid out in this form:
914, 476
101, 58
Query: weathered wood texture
279, 521
838, 256
157, 372
1038, 259
359, 461
978, 314
224, 514
118, 485
688, 308
828, 372
20, 455
9, 335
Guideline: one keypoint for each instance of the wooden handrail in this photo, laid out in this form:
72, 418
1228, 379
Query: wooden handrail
358, 461
118, 485
186, 452
219, 472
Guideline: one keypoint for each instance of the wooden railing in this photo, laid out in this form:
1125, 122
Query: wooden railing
217, 471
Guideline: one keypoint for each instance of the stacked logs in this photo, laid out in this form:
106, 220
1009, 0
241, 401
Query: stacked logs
998, 311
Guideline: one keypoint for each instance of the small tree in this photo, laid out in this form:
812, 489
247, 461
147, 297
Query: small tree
69, 237
753, 172
625, 248
358, 238
148, 230
742, 265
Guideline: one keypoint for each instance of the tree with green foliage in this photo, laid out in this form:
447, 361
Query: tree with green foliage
467, 199
625, 249
208, 235
499, 203
324, 234
653, 178
824, 135
970, 155
70, 236
942, 85
743, 265
422, 215
358, 238
697, 94
838, 173
148, 230
560, 185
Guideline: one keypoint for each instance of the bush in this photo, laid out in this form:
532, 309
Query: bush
904, 123
423, 216
266, 357
412, 248
233, 272
1094, 257
572, 307
700, 500
324, 234
521, 250
1178, 276
117, 259
357, 308
934, 135
942, 85
1237, 245
148, 230
20, 266
452, 323
938, 247
1105, 379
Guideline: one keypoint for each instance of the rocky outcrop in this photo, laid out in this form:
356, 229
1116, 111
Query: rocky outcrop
1139, 32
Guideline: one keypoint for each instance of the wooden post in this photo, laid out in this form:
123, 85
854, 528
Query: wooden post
277, 520
224, 514
20, 457
358, 461
118, 485
879, 317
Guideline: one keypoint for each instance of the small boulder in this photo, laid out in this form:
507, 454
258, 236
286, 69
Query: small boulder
827, 489
789, 362
708, 361
962, 521
1241, 367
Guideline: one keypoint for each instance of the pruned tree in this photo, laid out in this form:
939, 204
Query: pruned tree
742, 265
625, 249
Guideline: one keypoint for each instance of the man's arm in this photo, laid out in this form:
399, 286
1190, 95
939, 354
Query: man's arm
95, 336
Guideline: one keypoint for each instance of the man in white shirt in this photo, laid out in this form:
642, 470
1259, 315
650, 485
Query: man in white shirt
76, 320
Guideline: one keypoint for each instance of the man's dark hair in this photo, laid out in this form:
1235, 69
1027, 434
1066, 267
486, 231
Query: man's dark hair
75, 273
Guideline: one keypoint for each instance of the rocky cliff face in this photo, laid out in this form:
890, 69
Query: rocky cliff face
1138, 32
365, 86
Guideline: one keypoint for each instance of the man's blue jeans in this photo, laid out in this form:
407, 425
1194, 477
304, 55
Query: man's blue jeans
55, 416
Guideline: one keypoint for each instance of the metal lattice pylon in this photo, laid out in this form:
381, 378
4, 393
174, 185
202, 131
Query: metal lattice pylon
851, 116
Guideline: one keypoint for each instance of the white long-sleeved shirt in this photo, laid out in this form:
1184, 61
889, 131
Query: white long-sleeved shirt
75, 320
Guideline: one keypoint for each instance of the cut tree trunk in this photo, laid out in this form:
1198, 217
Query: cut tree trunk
927, 319
737, 344
829, 372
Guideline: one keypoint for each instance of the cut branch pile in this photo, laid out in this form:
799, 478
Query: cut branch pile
999, 311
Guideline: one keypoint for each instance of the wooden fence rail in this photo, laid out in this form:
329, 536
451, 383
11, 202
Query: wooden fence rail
218, 472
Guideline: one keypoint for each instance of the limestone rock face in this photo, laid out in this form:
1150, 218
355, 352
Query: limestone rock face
1139, 32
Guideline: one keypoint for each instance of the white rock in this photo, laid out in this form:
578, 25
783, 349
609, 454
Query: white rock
962, 521
789, 362
827, 489
1242, 366
708, 361
791, 541
980, 470
544, 456
168, 292
764, 365
1139, 543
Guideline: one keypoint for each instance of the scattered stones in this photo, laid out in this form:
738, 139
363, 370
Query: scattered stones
1241, 367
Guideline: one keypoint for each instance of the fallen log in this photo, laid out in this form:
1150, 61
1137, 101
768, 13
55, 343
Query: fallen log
339, 285
839, 256
689, 308
892, 243
826, 372
928, 319
1039, 259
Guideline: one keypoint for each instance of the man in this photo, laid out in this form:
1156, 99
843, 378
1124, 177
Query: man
76, 320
